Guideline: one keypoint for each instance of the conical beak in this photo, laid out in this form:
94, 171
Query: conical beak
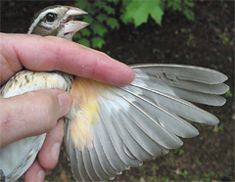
71, 26
75, 12
74, 26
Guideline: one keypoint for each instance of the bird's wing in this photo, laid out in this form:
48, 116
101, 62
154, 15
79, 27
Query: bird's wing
112, 129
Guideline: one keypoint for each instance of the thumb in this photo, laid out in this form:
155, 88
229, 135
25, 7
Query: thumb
31, 114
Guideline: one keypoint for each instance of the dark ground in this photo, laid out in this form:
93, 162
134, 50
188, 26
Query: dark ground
209, 42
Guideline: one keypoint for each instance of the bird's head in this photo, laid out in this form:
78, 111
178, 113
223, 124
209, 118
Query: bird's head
58, 21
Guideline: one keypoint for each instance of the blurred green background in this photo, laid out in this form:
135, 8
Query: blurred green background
158, 31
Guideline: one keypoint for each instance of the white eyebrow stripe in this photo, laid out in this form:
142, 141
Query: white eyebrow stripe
39, 17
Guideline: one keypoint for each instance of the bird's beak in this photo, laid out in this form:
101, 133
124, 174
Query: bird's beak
75, 12
71, 26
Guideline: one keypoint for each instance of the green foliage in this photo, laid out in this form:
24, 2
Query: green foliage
184, 6
229, 94
104, 16
138, 11
179, 152
218, 128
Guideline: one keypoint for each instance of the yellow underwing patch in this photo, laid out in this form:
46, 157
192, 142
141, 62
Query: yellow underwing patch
84, 114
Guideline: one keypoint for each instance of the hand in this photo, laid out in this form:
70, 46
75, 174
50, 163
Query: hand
45, 54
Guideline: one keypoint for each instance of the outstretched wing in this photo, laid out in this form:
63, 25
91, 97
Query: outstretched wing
112, 129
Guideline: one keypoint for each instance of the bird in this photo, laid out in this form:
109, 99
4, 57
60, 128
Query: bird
111, 129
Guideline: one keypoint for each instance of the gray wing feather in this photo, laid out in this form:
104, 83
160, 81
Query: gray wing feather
195, 84
178, 106
129, 141
199, 97
146, 118
170, 121
183, 72
108, 147
97, 166
88, 165
71, 151
146, 142
191, 85
81, 167
116, 140
107, 167
151, 126
219, 88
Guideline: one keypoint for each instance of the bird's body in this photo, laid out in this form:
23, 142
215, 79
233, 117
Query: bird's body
25, 81
110, 129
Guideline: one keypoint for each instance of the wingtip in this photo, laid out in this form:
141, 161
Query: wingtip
219, 76
213, 122
227, 88
223, 77
192, 134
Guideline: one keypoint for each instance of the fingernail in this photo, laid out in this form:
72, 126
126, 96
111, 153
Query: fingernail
55, 151
65, 102
41, 176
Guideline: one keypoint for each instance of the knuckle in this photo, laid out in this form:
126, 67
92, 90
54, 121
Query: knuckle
101, 56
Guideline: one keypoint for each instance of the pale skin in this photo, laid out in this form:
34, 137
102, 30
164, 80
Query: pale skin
44, 54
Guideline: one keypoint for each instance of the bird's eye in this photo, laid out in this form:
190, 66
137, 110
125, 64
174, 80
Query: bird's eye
50, 17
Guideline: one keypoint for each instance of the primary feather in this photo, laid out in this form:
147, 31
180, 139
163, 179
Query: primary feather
143, 120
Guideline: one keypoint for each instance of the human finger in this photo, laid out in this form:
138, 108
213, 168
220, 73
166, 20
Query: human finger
52, 53
35, 173
31, 114
49, 153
